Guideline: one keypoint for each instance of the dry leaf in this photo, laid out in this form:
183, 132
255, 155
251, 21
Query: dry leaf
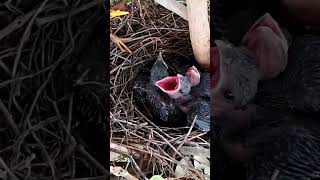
202, 163
120, 7
120, 172
114, 156
181, 167
118, 13
199, 151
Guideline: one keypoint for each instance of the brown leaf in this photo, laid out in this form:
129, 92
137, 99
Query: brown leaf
120, 7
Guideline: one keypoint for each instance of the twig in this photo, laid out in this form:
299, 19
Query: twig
9, 119
44, 151
16, 24
187, 135
70, 113
4, 166
41, 21
275, 174
25, 37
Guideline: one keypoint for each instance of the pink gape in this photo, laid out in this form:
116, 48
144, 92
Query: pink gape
177, 86
269, 44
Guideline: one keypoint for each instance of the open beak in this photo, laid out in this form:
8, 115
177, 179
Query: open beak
193, 75
170, 85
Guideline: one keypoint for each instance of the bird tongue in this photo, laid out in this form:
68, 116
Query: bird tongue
214, 66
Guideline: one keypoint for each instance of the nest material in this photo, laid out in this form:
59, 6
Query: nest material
152, 149
41, 42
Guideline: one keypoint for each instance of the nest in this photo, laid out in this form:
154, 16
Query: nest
41, 42
149, 149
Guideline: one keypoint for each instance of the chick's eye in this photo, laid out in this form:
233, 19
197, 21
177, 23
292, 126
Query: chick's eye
181, 91
228, 95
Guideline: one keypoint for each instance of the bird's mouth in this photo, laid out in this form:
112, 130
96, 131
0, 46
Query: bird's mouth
215, 66
169, 84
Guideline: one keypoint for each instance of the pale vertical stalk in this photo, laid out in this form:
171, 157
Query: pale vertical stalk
199, 31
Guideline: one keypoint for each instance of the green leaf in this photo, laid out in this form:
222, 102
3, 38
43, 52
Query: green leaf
125, 159
156, 177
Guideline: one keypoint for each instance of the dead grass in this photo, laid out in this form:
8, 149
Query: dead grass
40, 41
151, 149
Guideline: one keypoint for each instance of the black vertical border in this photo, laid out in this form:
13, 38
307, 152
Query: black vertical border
106, 4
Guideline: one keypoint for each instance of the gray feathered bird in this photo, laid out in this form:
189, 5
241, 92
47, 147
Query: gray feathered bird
272, 140
191, 94
266, 71
159, 104
175, 97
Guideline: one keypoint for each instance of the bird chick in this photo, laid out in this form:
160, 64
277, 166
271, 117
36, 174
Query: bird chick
178, 86
191, 93
156, 102
265, 70
238, 69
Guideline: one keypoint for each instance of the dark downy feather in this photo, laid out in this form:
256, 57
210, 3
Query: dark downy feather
298, 88
284, 142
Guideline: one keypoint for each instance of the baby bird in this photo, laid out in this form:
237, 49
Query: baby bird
269, 71
191, 93
174, 98
159, 104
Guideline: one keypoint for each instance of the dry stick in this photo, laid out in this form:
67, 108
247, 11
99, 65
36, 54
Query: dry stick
4, 67
4, 166
143, 151
38, 93
27, 76
125, 150
275, 174
25, 133
16, 24
44, 151
9, 119
132, 160
41, 21
25, 37
70, 113
187, 135
168, 143
200, 37
152, 123
62, 57
137, 167
72, 142
11, 7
